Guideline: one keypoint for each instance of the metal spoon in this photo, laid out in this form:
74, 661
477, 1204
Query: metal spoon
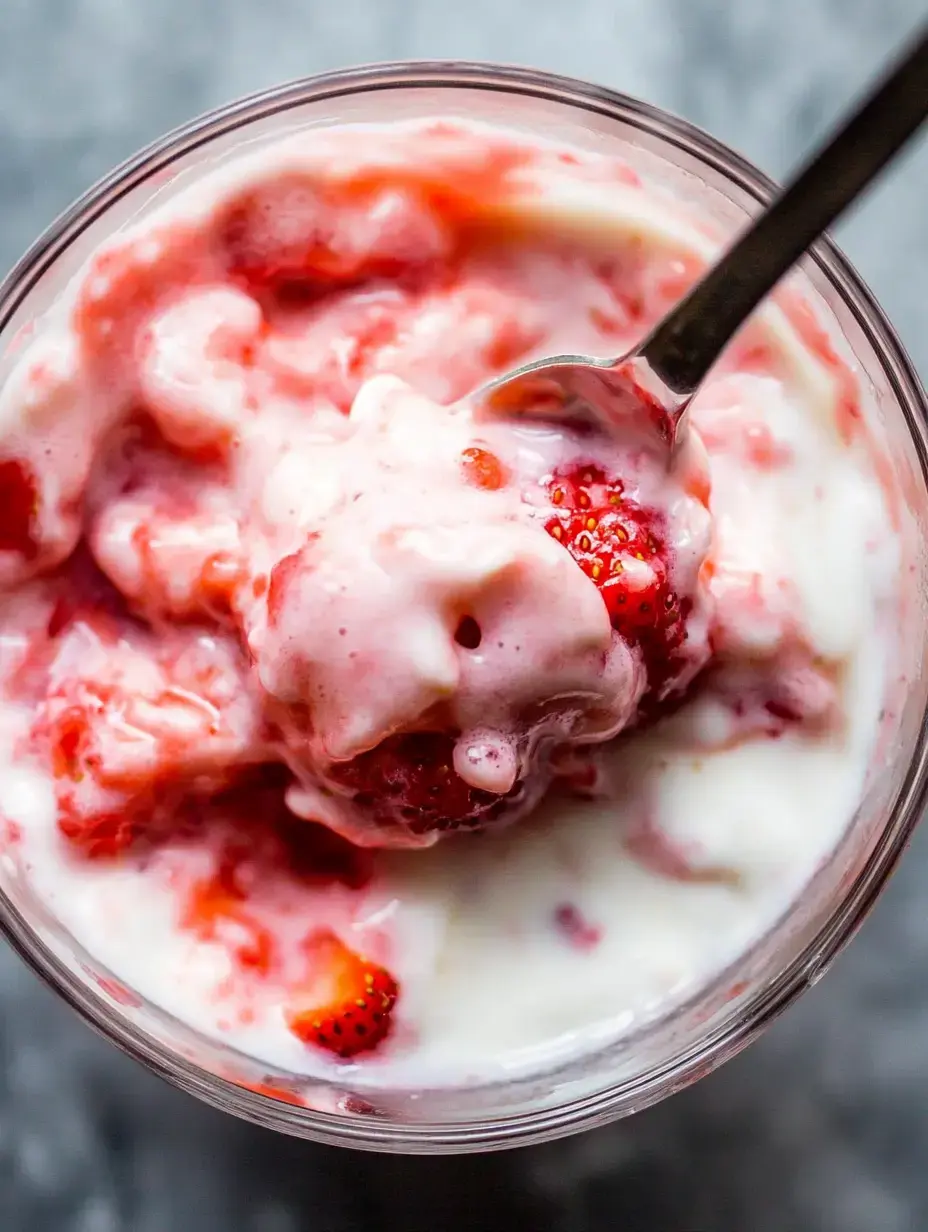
661, 375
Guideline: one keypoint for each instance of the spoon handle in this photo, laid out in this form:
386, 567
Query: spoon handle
686, 344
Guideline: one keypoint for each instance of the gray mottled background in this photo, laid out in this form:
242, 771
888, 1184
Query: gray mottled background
823, 1125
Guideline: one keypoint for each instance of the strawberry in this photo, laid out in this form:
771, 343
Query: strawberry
100, 834
619, 544
19, 502
128, 738
346, 1005
408, 782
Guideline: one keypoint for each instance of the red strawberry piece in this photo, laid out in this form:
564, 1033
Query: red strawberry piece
347, 1003
619, 544
19, 503
100, 835
408, 782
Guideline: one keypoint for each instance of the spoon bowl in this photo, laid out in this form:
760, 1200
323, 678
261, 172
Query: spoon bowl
605, 394
655, 382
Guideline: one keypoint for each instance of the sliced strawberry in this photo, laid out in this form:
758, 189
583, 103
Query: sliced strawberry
347, 1003
101, 822
408, 783
620, 545
129, 732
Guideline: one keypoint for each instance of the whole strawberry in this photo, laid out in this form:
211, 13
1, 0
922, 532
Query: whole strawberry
621, 546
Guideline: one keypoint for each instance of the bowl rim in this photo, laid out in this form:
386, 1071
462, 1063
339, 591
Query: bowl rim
902, 816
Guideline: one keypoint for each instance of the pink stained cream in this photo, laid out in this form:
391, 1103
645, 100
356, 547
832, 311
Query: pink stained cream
358, 725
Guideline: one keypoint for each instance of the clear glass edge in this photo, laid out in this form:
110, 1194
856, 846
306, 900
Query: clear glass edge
742, 1026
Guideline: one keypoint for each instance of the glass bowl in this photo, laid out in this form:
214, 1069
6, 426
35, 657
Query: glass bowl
690, 1040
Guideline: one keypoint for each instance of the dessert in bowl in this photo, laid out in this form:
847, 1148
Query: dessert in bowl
415, 761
